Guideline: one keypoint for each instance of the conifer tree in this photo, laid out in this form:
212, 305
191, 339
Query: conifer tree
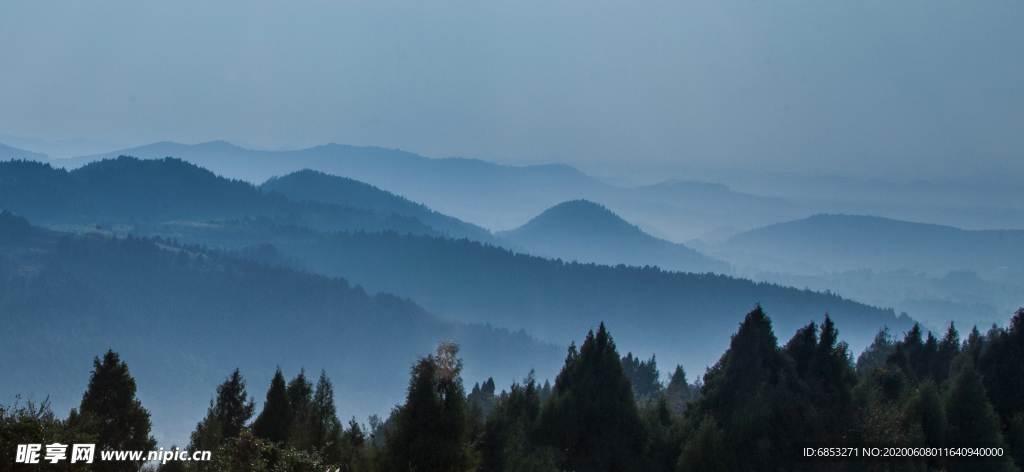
508, 442
971, 418
209, 433
233, 407
324, 427
947, 349
678, 392
432, 430
592, 415
300, 401
120, 420
751, 394
877, 352
274, 422
643, 375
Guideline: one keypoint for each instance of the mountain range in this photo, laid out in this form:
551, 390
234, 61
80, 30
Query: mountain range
496, 197
464, 279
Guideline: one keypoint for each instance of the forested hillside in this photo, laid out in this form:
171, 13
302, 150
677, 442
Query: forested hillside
925, 403
183, 316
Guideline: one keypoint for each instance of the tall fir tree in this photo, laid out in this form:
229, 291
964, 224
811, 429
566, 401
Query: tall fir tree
274, 421
324, 427
592, 415
300, 401
749, 397
233, 407
120, 420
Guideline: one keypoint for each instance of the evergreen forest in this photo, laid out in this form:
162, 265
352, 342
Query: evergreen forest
605, 412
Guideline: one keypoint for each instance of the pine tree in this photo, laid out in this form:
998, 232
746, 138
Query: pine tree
592, 415
300, 401
432, 430
324, 426
752, 395
877, 352
209, 433
274, 422
121, 421
507, 443
643, 375
233, 407
678, 392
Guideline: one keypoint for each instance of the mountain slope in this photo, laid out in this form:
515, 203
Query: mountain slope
183, 318
12, 153
310, 185
588, 232
131, 193
845, 242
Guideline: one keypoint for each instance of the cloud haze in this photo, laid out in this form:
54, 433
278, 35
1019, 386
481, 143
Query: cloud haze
915, 89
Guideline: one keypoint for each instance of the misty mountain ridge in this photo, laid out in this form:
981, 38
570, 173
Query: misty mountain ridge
8, 153
848, 242
494, 196
130, 192
588, 232
315, 186
465, 280
503, 197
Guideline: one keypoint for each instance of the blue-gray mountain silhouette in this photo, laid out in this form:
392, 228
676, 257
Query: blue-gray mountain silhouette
588, 232
11, 153
846, 242
314, 186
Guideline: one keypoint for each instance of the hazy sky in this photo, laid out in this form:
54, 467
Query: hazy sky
897, 89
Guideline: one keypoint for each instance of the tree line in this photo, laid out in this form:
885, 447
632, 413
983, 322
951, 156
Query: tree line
605, 412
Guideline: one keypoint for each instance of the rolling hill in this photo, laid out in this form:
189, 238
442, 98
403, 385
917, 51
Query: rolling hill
845, 242
130, 193
313, 186
584, 231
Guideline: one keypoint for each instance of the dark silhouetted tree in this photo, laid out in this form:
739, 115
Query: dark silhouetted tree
233, 407
592, 416
432, 430
644, 375
877, 352
971, 418
121, 421
274, 422
324, 428
752, 396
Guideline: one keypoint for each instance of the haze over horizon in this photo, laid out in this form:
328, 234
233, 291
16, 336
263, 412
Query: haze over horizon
871, 90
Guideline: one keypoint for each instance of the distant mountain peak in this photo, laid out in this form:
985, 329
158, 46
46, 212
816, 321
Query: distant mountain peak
586, 231
582, 216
